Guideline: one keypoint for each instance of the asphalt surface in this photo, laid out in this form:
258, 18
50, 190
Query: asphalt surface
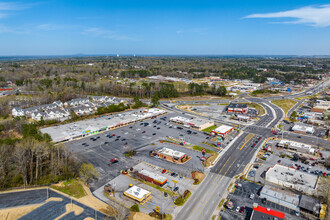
202, 204
48, 210
140, 138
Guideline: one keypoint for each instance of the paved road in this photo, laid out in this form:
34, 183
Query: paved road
203, 203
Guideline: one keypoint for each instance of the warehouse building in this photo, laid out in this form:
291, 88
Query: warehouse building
152, 177
223, 130
280, 196
237, 108
138, 194
296, 146
88, 127
292, 178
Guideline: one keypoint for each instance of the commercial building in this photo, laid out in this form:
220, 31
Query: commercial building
138, 194
280, 196
310, 205
152, 177
223, 130
296, 146
262, 213
84, 128
292, 178
303, 129
171, 155
237, 108
196, 123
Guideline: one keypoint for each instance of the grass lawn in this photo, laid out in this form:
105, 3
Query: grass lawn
260, 109
71, 187
157, 187
209, 129
181, 201
285, 104
199, 148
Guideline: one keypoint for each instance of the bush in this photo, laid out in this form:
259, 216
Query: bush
135, 208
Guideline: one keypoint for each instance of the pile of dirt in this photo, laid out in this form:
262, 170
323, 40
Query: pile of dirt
199, 176
140, 216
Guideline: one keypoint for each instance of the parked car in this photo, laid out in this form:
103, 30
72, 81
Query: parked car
163, 171
242, 209
153, 133
237, 209
252, 196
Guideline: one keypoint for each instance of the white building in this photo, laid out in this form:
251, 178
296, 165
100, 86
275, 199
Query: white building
223, 130
303, 129
292, 178
296, 146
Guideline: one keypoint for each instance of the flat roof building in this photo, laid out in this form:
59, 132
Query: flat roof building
171, 153
223, 130
262, 213
138, 194
303, 129
292, 178
196, 123
93, 126
152, 177
310, 205
296, 146
237, 108
280, 196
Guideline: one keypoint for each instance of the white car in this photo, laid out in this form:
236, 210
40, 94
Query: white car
237, 209
252, 196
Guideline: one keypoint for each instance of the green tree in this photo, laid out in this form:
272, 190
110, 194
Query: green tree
87, 172
155, 100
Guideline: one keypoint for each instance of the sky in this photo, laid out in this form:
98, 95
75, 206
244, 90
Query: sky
171, 27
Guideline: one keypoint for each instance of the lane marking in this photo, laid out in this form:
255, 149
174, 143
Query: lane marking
246, 141
216, 187
212, 182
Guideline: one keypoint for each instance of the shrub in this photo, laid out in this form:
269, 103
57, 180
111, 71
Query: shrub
135, 208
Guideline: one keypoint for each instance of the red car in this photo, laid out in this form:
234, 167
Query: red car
114, 160
279, 161
113, 135
241, 210
143, 132
163, 171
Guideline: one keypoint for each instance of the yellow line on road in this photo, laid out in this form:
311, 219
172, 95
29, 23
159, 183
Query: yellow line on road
213, 181
216, 186
251, 136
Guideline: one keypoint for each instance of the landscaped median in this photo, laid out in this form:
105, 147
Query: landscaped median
211, 158
180, 201
285, 104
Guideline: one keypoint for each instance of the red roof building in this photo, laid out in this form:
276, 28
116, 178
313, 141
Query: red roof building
260, 212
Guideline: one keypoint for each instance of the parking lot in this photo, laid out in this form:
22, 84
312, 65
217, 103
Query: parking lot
166, 203
99, 149
247, 193
195, 163
49, 209
275, 158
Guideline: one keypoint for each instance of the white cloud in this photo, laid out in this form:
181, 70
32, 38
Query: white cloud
318, 16
11, 6
108, 34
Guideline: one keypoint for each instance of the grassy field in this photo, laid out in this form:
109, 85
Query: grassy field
199, 148
285, 104
209, 129
260, 109
71, 187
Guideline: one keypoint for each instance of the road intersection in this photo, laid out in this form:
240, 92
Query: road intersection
205, 200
